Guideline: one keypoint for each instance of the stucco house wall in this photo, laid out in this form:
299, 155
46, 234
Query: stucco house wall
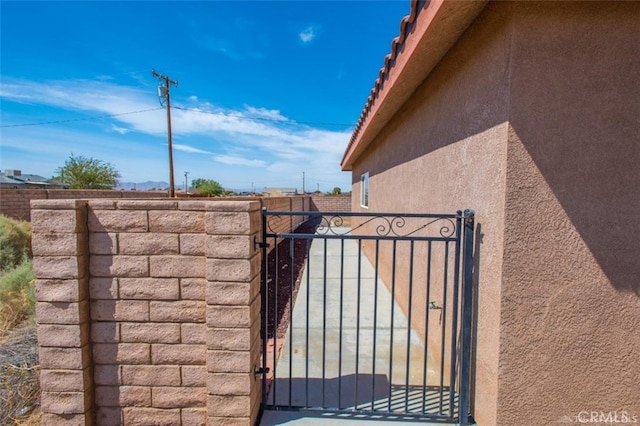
532, 119
571, 254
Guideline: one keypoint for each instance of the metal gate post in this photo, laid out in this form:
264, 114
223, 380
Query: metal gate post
467, 306
263, 301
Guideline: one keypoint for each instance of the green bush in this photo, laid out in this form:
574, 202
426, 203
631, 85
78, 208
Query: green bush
15, 243
17, 296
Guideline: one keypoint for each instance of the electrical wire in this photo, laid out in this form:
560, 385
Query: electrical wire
95, 117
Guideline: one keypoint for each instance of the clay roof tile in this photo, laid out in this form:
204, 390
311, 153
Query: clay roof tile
389, 60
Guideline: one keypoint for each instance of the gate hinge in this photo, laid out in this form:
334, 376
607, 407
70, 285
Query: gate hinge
259, 244
260, 371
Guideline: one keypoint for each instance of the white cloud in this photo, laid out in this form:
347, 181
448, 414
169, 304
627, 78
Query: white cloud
271, 114
238, 161
190, 149
121, 130
308, 34
279, 148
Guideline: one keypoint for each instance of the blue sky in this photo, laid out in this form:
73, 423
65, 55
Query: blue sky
267, 90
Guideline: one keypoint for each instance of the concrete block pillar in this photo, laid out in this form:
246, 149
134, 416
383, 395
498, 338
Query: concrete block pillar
60, 261
233, 312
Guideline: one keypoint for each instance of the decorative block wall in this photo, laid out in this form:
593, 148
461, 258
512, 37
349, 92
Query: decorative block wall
148, 311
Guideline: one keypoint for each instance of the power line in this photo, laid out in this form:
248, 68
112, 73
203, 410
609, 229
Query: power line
221, 114
95, 117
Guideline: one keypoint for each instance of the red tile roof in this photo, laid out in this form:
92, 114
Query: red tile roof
426, 35
396, 44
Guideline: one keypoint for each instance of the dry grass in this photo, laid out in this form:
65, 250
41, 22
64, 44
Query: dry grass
19, 384
17, 298
15, 242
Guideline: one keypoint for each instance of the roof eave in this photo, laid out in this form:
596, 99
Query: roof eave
425, 36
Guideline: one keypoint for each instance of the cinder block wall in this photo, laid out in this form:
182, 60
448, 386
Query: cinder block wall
333, 203
148, 311
15, 202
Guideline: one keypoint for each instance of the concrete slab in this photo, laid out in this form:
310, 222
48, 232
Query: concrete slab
309, 418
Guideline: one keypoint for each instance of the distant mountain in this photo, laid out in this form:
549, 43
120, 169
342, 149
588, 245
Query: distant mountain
143, 186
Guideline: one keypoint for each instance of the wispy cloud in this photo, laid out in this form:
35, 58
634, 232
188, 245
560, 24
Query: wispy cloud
190, 149
238, 161
308, 34
234, 139
272, 114
121, 130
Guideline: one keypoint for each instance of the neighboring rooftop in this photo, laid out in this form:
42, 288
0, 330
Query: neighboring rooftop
15, 178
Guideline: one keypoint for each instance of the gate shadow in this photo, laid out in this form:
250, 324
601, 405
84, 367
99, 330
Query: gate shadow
360, 394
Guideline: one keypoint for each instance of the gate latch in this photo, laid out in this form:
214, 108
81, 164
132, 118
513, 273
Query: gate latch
432, 305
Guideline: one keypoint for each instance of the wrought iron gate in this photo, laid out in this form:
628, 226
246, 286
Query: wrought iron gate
367, 313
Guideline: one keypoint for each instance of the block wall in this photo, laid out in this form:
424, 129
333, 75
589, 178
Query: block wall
15, 202
148, 311
334, 203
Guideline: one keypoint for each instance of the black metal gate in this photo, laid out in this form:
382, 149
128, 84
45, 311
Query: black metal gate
368, 314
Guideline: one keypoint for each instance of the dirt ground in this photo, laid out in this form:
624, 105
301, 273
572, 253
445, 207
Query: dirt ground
19, 384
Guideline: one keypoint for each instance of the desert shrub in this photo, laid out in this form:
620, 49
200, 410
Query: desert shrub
17, 297
15, 242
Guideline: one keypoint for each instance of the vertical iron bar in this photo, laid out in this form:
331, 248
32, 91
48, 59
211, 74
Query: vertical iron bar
291, 288
276, 282
454, 315
324, 318
444, 323
306, 358
264, 305
426, 330
467, 306
410, 304
393, 298
355, 403
340, 337
375, 323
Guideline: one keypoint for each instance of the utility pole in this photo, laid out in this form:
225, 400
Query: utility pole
163, 93
186, 182
303, 183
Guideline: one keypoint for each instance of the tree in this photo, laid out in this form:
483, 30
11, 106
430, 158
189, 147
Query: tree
336, 191
87, 173
208, 187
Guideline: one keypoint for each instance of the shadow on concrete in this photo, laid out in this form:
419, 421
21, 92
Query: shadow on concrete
360, 396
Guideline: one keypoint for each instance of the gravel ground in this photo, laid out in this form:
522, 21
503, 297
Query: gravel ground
288, 266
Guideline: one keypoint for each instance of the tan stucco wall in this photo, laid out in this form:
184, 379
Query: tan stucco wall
446, 150
570, 318
532, 119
